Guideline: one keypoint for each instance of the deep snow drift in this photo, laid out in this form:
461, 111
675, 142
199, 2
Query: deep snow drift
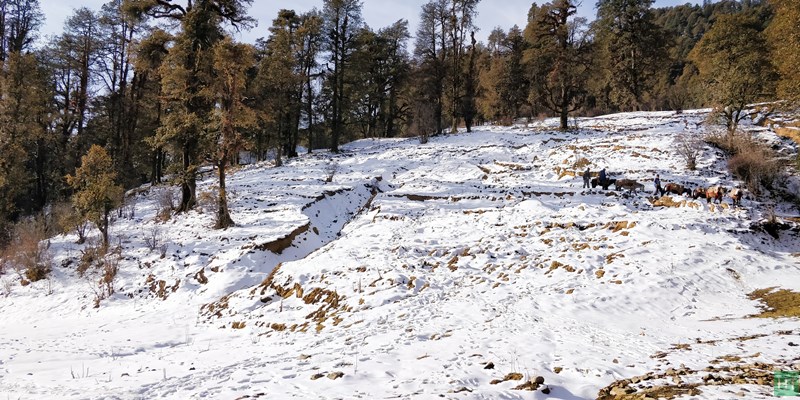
400, 270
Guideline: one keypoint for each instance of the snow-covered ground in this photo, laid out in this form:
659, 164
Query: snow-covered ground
411, 268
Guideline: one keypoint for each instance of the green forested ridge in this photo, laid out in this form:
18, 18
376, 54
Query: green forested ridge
168, 103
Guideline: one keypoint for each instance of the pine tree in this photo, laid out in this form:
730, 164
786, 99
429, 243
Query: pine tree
281, 82
734, 65
96, 192
145, 100
342, 22
116, 111
20, 21
784, 36
231, 62
431, 51
187, 73
462, 15
558, 57
310, 33
631, 50
29, 173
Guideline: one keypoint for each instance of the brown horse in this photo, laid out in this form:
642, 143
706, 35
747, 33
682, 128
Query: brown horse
699, 193
736, 195
629, 184
677, 189
715, 193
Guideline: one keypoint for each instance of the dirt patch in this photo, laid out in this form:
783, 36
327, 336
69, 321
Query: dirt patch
599, 273
556, 265
159, 286
279, 245
619, 226
513, 166
513, 376
781, 303
655, 386
666, 201
613, 256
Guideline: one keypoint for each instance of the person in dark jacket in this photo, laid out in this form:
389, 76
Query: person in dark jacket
587, 176
602, 179
657, 185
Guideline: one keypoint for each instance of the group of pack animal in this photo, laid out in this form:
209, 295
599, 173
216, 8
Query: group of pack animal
715, 193
711, 194
628, 184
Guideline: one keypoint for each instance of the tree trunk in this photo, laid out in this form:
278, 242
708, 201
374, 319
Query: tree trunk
158, 161
564, 125
189, 181
104, 228
310, 111
279, 144
224, 220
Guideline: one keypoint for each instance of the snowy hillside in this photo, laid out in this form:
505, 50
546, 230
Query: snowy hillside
462, 268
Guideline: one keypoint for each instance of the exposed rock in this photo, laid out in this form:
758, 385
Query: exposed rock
335, 375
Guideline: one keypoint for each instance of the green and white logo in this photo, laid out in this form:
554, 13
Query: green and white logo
787, 383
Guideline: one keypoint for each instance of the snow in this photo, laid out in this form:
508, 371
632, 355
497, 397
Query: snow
414, 267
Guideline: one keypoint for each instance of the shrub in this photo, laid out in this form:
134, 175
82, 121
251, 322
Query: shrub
207, 199
581, 163
733, 143
91, 255
108, 276
689, 148
153, 238
756, 168
28, 252
330, 171
166, 203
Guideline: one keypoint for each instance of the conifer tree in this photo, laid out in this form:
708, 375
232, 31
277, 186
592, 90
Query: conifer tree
187, 73
784, 36
630, 50
231, 62
342, 22
96, 192
734, 65
558, 58
431, 51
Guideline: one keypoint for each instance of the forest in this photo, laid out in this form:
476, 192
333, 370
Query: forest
158, 91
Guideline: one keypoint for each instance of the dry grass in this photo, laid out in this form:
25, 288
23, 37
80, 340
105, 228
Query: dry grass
751, 161
781, 303
757, 167
167, 203
790, 132
581, 163
207, 199
513, 376
28, 251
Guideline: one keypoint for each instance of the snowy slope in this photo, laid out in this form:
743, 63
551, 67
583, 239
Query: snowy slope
413, 268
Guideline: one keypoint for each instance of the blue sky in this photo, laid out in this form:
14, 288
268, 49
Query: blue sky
377, 13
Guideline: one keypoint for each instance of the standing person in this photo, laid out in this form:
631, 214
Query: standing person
587, 176
602, 179
657, 184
